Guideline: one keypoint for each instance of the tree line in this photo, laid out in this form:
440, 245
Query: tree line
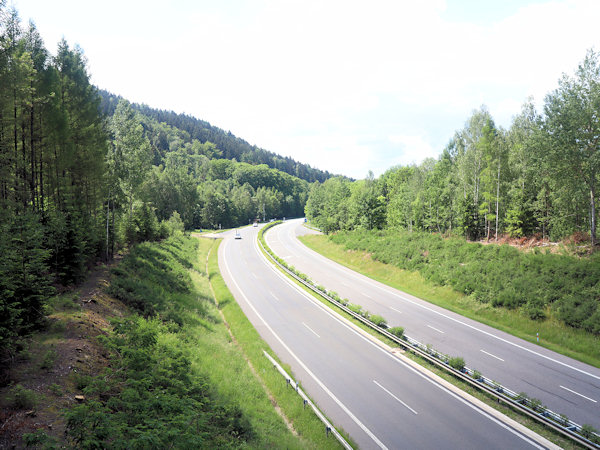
77, 185
538, 177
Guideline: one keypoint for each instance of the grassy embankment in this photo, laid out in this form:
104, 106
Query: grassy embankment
176, 377
554, 333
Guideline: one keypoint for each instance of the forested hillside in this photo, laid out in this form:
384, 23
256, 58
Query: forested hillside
77, 185
538, 177
230, 146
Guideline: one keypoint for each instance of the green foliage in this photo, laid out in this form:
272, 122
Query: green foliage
378, 320
587, 431
397, 331
40, 439
496, 274
457, 363
56, 389
22, 398
535, 404
154, 278
48, 359
153, 393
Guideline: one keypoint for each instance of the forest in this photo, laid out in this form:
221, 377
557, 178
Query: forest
538, 177
85, 175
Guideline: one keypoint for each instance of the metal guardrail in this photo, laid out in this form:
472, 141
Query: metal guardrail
523, 404
307, 401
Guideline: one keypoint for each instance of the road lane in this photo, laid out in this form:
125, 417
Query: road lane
521, 366
338, 368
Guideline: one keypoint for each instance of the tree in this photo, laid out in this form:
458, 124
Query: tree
130, 154
573, 125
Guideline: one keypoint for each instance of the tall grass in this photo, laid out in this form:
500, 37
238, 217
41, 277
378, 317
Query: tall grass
379, 256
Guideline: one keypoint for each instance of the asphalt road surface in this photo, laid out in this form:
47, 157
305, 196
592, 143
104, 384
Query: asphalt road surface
378, 398
562, 384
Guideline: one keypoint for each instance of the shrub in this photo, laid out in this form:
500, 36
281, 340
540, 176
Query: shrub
379, 321
456, 362
535, 404
397, 331
48, 361
355, 308
22, 398
587, 431
476, 375
56, 389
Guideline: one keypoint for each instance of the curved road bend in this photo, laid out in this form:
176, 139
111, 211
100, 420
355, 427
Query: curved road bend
380, 400
562, 384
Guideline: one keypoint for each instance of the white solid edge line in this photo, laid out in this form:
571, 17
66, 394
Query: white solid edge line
395, 358
397, 310
489, 354
310, 373
388, 289
408, 407
577, 393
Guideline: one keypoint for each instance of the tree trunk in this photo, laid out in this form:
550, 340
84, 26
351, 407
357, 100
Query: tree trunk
593, 215
497, 198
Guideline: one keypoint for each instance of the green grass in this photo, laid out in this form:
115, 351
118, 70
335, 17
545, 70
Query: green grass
554, 334
309, 428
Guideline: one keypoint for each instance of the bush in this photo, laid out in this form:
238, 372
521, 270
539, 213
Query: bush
587, 431
48, 361
22, 398
397, 331
355, 308
535, 404
457, 363
379, 321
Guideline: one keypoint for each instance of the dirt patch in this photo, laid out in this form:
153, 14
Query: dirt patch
524, 243
48, 369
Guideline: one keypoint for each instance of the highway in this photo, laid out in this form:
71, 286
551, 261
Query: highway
562, 384
376, 396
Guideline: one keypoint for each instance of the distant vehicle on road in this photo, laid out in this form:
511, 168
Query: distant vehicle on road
237, 234
255, 224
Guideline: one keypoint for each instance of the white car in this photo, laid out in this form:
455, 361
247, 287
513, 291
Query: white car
255, 224
237, 234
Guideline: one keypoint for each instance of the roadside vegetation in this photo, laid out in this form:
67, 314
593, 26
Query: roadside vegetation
361, 251
374, 325
175, 378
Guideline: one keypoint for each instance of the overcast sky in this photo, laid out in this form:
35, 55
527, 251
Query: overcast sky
346, 86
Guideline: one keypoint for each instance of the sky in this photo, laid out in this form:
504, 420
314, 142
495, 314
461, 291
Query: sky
345, 86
